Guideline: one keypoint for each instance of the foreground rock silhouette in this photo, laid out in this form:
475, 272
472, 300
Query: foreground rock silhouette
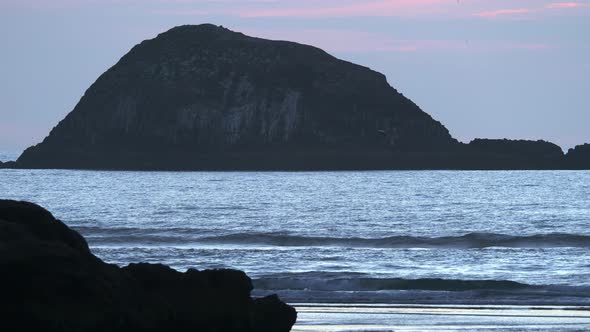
50, 281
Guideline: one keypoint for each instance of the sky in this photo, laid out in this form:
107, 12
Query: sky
517, 69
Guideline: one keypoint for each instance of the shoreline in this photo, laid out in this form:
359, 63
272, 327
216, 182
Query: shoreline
425, 318
555, 296
10, 165
528, 307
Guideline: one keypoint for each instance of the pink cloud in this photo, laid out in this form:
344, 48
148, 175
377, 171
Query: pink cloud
363, 8
528, 12
486, 9
565, 5
350, 41
341, 41
327, 8
315, 9
502, 12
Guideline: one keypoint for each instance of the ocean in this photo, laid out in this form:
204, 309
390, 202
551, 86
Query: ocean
415, 237
8, 156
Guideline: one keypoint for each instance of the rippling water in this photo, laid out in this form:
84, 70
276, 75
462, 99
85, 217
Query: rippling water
338, 236
8, 156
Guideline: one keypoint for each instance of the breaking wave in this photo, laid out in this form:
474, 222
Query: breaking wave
332, 281
472, 240
343, 287
196, 237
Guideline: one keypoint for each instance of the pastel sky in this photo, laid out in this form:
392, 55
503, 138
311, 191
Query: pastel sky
485, 68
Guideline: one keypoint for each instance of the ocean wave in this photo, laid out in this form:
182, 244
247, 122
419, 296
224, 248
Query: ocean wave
334, 281
471, 240
197, 237
342, 287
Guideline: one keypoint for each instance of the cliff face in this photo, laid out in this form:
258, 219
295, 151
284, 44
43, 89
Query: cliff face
198, 94
50, 281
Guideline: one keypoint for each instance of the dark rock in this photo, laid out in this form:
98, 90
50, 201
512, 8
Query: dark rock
8, 164
524, 148
50, 281
513, 154
578, 157
271, 314
27, 221
204, 97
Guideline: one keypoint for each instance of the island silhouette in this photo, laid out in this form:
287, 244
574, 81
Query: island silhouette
204, 97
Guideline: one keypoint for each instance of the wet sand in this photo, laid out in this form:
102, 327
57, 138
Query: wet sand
353, 317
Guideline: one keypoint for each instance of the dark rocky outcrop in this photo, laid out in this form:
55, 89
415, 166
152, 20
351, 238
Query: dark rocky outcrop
8, 164
523, 148
578, 157
50, 281
204, 97
513, 154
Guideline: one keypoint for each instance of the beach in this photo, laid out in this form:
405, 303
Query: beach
426, 318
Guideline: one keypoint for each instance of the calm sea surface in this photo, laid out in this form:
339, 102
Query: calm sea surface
340, 236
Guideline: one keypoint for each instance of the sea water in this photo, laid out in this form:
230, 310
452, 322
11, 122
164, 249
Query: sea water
439, 237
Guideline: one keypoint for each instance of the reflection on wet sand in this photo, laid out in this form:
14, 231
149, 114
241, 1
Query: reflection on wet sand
348, 318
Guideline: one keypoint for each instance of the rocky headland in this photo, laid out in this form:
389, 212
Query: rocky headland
512, 154
578, 157
50, 281
207, 98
